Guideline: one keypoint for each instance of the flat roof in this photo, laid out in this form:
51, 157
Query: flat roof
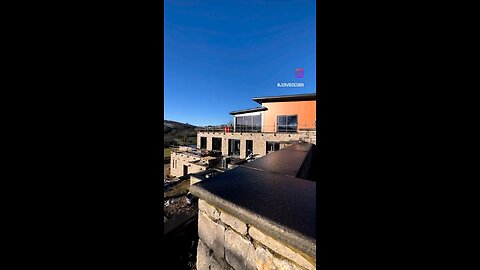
249, 110
298, 97
268, 194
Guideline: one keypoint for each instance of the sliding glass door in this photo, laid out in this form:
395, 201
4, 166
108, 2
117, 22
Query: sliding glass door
234, 147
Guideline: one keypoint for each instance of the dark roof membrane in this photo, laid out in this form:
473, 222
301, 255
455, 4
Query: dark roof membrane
299, 97
269, 194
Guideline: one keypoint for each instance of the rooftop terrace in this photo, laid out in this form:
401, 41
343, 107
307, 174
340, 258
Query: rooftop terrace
276, 193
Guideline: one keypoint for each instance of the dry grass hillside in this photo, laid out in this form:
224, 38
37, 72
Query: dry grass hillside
175, 133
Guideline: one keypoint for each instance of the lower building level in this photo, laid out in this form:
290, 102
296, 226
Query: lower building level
241, 145
213, 146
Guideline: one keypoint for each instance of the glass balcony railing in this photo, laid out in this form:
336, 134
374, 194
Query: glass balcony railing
264, 129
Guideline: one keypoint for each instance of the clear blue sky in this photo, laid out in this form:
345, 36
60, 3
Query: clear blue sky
220, 54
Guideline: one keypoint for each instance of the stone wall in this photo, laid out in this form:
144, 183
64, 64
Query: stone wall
259, 140
178, 159
309, 136
226, 242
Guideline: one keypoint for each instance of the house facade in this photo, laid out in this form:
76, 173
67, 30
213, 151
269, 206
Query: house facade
279, 121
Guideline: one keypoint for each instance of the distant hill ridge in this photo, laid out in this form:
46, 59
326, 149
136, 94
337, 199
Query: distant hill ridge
175, 123
176, 132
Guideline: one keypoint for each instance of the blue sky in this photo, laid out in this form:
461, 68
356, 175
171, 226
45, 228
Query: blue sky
220, 54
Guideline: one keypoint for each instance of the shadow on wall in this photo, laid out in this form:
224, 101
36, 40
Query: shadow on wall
210, 260
181, 248
308, 170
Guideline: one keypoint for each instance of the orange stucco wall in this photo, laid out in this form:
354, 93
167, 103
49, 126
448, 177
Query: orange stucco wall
306, 111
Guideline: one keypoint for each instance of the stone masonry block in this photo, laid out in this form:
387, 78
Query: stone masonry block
204, 259
212, 234
208, 209
285, 265
239, 253
266, 261
234, 222
280, 248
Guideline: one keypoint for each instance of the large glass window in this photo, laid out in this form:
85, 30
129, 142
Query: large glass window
287, 123
292, 123
203, 142
248, 123
217, 144
257, 123
272, 146
239, 124
249, 147
233, 147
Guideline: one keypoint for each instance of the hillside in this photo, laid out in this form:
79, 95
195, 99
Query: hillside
175, 133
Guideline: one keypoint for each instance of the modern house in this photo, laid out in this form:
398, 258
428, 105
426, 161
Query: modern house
271, 201
278, 122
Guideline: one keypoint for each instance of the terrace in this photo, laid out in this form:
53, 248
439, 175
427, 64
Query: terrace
260, 214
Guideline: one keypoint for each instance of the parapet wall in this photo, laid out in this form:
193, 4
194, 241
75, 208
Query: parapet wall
179, 159
260, 215
309, 136
227, 242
